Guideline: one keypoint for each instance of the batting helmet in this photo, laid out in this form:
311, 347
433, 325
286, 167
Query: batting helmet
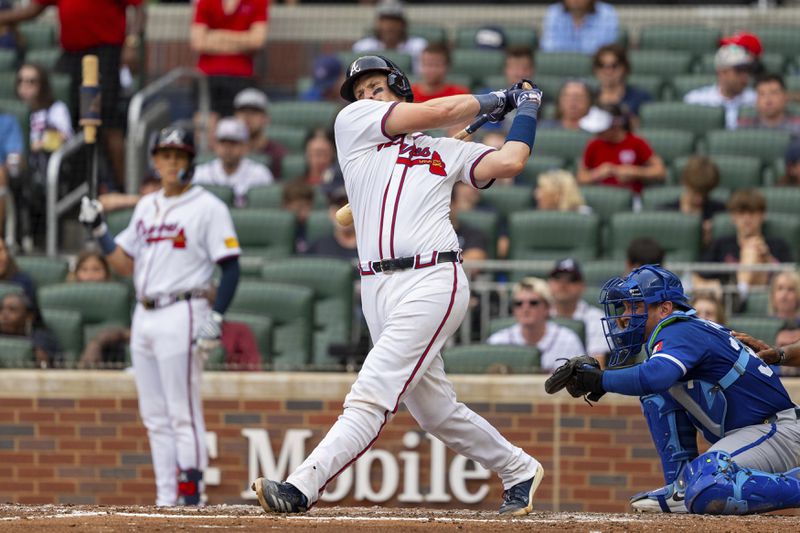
180, 139
398, 82
625, 328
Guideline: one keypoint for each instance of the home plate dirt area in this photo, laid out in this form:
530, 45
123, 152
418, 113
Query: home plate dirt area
79, 518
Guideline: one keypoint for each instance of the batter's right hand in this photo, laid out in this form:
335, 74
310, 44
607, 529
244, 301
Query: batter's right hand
519, 96
91, 216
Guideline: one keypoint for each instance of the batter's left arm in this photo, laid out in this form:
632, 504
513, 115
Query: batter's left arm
436, 113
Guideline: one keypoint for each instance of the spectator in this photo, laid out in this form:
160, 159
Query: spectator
90, 266
616, 156
578, 26
320, 152
471, 241
227, 35
748, 246
567, 286
784, 297
19, 318
791, 176
391, 33
788, 334
434, 66
519, 65
10, 273
231, 168
611, 69
733, 64
751, 43
298, 197
709, 307
327, 77
252, 108
574, 102
98, 28
11, 149
557, 190
699, 177
643, 251
342, 243
531, 308
771, 100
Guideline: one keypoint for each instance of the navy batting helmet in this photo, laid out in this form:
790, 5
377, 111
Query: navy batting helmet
398, 82
180, 139
625, 328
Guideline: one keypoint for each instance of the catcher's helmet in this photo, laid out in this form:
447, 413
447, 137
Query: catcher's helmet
647, 284
398, 82
180, 139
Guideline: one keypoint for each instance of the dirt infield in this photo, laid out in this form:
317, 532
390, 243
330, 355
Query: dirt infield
58, 519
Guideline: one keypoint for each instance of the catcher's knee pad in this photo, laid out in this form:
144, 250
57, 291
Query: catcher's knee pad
189, 489
715, 484
673, 433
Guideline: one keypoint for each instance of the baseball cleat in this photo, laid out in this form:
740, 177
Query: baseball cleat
518, 500
663, 500
277, 497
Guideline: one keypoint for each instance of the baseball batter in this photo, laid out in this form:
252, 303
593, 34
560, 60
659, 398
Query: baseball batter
413, 289
175, 238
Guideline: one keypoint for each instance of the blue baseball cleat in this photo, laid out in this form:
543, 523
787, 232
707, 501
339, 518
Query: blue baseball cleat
276, 497
518, 500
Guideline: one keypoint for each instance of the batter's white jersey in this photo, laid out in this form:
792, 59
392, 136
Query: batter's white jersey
399, 187
249, 174
175, 241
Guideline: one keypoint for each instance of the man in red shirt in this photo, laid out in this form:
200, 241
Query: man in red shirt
616, 156
95, 27
227, 34
434, 64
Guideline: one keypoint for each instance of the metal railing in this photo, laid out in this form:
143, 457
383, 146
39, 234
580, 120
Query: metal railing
55, 206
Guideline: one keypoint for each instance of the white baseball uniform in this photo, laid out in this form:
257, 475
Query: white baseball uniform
399, 189
174, 243
248, 174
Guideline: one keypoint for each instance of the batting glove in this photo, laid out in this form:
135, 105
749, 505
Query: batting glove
91, 216
208, 338
519, 96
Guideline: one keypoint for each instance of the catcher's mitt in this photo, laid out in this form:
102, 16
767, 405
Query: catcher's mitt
564, 376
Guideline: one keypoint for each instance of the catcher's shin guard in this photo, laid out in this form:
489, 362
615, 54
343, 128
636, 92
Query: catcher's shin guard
189, 489
673, 434
715, 484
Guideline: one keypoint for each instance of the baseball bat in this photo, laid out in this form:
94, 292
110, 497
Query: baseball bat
90, 114
344, 215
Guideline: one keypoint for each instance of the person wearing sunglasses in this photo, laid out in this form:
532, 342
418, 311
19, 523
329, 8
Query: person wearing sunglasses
531, 302
611, 69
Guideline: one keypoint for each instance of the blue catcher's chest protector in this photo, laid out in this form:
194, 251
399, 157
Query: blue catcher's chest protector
718, 371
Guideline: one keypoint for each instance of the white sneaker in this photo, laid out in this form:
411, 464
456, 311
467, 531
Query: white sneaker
663, 500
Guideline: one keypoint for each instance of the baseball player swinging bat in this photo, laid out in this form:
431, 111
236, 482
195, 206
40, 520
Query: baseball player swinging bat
90, 115
344, 215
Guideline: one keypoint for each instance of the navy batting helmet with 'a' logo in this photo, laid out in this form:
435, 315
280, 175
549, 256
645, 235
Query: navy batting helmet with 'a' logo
397, 81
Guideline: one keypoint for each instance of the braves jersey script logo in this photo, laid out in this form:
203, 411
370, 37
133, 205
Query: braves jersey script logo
413, 155
162, 232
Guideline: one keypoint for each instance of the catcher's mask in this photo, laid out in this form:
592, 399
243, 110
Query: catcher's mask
397, 81
625, 327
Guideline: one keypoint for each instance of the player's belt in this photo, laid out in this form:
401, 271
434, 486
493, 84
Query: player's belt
388, 266
166, 301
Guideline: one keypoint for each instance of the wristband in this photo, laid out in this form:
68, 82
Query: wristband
490, 102
523, 129
107, 244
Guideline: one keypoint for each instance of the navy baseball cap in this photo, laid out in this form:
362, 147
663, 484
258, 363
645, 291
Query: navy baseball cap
568, 268
327, 70
792, 155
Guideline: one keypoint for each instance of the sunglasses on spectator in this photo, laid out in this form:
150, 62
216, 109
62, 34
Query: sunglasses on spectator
532, 303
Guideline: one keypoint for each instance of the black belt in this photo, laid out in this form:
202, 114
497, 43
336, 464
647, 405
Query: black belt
774, 417
158, 303
404, 263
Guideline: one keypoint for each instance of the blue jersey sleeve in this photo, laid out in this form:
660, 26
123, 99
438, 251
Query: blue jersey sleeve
681, 344
655, 375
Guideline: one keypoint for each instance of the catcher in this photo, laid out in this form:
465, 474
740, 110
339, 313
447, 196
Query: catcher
696, 377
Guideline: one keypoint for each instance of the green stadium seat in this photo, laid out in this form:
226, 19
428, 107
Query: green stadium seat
736, 171
291, 308
8, 60
757, 303
480, 358
696, 119
45, 57
654, 197
223, 192
506, 199
15, 107
261, 327
476, 63
293, 167
266, 233
16, 352
689, 82
665, 63
576, 326
8, 287
773, 62
550, 86
293, 138
652, 83
432, 34
515, 36
68, 327
43, 270
670, 144
688, 38
118, 220
677, 233
763, 144
8, 84
487, 222
306, 115
553, 235
60, 83
265, 196
605, 201
496, 324
779, 39
596, 273
567, 144
96, 302
782, 199
782, 225
318, 225
495, 82
39, 35
400, 59
564, 64
537, 165
764, 328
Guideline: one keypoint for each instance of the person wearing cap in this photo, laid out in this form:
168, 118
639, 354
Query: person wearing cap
772, 113
567, 286
578, 26
251, 106
733, 64
231, 168
531, 303
616, 156
434, 67
391, 33
791, 177
326, 78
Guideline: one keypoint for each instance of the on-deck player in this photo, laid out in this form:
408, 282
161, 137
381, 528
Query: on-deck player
413, 289
175, 238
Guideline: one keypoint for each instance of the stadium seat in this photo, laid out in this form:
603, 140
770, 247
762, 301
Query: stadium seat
480, 358
292, 137
605, 200
45, 57
654, 197
38, 35
677, 233
764, 144
576, 326
670, 144
564, 64
665, 63
494, 82
507, 199
688, 82
16, 352
757, 303
696, 119
293, 167
60, 83
515, 36
652, 83
291, 309
9, 287
487, 222
267, 233
764, 328
223, 192
400, 59
8, 60
96, 302
318, 225
553, 235
432, 34
8, 84
306, 115
68, 327
686, 37
773, 62
567, 144
118, 220
496, 324
476, 63
596, 273
261, 327
782, 199
779, 39
537, 165
42, 269
736, 171
783, 225
265, 196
